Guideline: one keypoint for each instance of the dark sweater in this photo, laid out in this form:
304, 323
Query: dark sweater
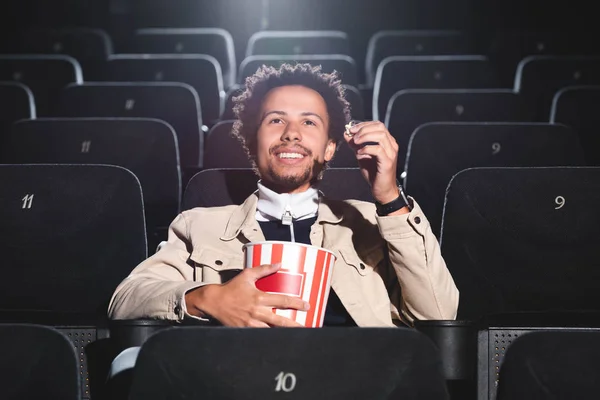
335, 314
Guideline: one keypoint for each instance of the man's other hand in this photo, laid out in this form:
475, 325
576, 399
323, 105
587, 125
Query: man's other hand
238, 303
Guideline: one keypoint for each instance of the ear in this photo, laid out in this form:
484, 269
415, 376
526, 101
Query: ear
330, 150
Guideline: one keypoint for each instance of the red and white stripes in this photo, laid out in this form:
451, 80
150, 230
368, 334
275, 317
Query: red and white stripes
305, 272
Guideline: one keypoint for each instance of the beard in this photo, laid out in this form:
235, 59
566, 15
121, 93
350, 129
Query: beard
288, 180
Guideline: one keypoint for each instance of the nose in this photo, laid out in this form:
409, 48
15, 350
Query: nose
291, 133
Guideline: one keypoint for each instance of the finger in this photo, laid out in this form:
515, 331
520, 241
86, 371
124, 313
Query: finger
363, 125
376, 134
285, 322
258, 324
379, 142
352, 140
351, 130
283, 302
385, 164
264, 270
374, 128
375, 151
377, 137
348, 131
267, 316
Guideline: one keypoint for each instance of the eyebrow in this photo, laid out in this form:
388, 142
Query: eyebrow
283, 113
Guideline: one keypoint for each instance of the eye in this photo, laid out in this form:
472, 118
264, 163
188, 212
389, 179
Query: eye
276, 121
310, 122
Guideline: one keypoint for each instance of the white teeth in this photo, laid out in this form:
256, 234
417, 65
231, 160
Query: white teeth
290, 155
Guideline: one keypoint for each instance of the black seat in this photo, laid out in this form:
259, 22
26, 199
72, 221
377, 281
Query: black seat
233, 91
200, 71
70, 235
412, 43
175, 103
509, 47
146, 147
90, 47
295, 363
437, 151
17, 103
408, 109
37, 363
352, 95
215, 42
579, 108
344, 157
222, 187
551, 365
343, 64
357, 106
45, 75
504, 341
538, 78
523, 239
297, 42
429, 72
223, 150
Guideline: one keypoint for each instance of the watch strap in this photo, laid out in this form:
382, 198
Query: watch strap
400, 202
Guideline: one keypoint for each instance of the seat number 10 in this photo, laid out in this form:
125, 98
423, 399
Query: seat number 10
286, 382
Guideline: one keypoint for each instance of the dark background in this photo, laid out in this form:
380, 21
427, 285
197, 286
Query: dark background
359, 18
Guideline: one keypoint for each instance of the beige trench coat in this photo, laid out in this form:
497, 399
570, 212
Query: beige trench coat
204, 246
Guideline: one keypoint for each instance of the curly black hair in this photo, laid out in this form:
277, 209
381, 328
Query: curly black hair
247, 104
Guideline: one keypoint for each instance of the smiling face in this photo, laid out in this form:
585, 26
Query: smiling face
293, 138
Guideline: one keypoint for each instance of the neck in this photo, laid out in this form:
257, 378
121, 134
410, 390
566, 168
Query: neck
286, 207
281, 189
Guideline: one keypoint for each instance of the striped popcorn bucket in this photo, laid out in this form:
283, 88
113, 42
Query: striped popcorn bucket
305, 272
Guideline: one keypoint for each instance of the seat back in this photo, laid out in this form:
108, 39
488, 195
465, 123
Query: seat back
69, 232
523, 239
37, 363
146, 147
223, 150
344, 157
438, 151
90, 47
215, 42
508, 48
411, 108
357, 105
297, 363
227, 186
429, 72
45, 75
343, 64
202, 72
565, 358
297, 42
538, 78
17, 103
384, 44
579, 108
175, 103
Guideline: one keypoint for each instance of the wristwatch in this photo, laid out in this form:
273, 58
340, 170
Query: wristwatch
400, 202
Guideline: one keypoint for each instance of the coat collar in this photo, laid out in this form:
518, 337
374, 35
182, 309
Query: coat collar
244, 216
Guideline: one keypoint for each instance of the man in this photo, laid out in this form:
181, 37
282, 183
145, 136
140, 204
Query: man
389, 269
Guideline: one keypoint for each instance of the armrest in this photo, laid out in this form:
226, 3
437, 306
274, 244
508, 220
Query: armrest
127, 333
457, 343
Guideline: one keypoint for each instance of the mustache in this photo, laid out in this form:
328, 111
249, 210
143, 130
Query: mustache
275, 149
